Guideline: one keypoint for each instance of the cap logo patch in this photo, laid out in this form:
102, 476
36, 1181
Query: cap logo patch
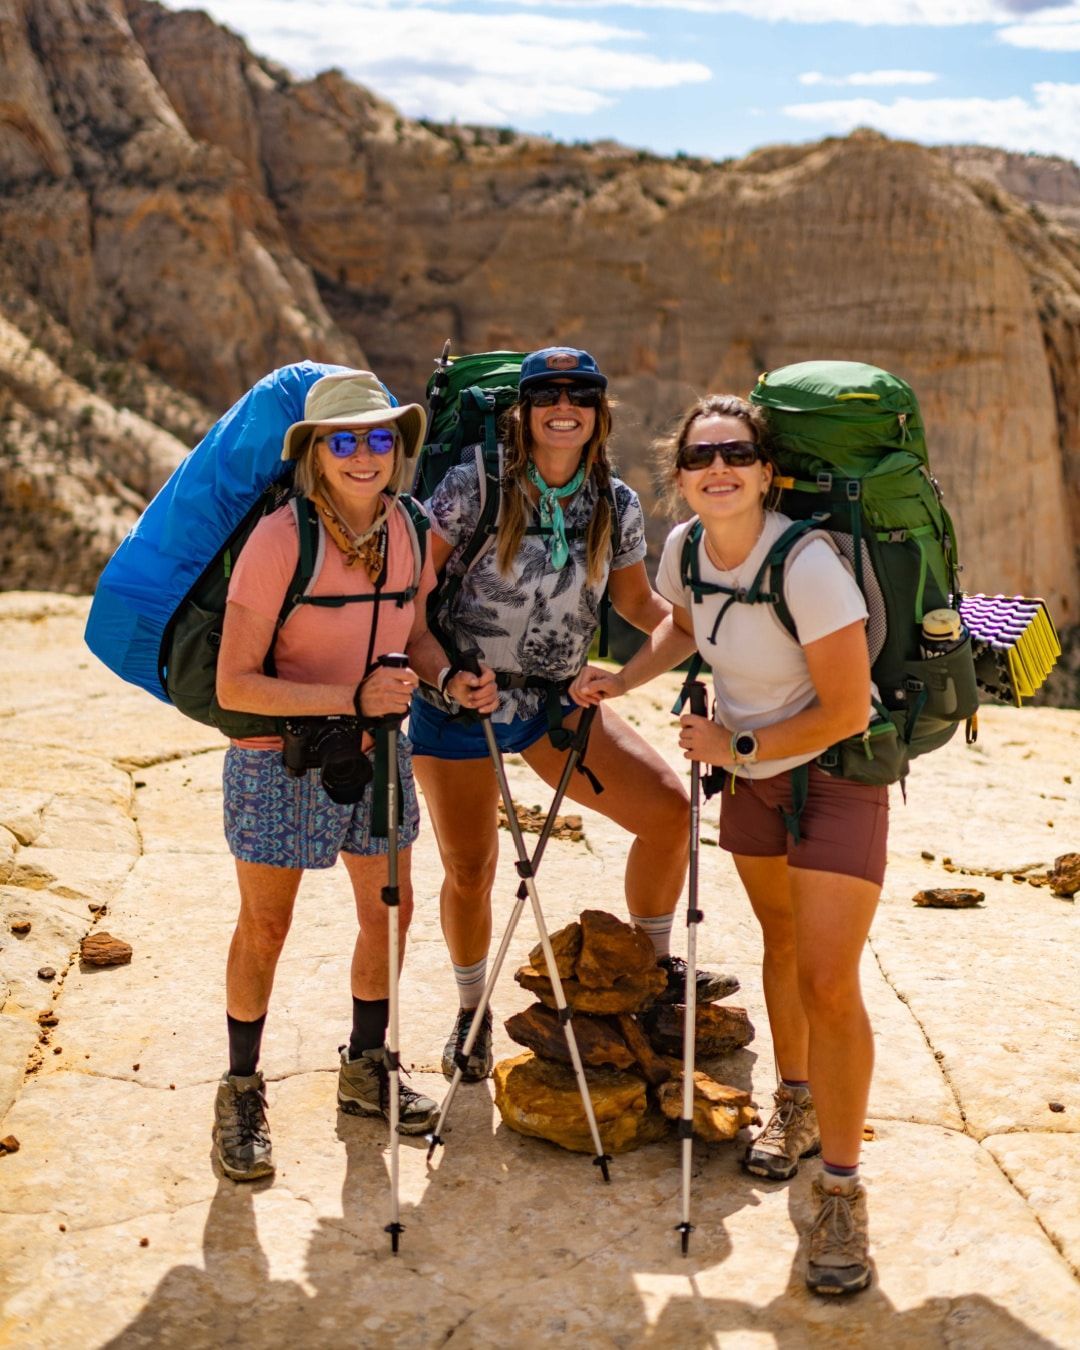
561, 361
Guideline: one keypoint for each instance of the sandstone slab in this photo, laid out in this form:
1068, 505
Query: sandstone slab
965, 1261
540, 1098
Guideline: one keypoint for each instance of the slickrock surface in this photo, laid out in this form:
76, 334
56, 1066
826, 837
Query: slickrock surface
117, 1230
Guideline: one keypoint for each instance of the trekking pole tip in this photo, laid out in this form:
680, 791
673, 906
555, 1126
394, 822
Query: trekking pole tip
433, 1142
395, 1230
685, 1229
601, 1160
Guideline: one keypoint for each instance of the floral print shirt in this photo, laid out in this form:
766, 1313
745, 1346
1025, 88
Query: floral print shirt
532, 620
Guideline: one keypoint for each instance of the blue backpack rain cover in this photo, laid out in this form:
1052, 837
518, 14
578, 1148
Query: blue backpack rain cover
177, 536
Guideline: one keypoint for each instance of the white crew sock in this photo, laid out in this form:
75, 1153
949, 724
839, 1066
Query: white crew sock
470, 982
658, 927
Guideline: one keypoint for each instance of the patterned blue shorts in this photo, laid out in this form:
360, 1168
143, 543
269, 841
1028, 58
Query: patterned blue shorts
291, 822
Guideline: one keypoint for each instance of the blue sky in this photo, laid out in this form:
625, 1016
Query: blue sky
708, 77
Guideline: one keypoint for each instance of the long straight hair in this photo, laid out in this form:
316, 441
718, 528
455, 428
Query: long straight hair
518, 443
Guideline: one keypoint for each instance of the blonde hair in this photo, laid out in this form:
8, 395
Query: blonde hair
517, 438
307, 478
665, 449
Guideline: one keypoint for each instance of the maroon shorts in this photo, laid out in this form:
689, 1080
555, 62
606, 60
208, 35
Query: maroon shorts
844, 826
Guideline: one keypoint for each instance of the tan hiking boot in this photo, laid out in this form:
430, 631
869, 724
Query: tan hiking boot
790, 1133
241, 1130
839, 1243
364, 1090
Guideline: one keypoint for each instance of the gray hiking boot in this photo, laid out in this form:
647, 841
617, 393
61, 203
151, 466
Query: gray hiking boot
241, 1130
709, 984
364, 1090
481, 1058
790, 1133
839, 1243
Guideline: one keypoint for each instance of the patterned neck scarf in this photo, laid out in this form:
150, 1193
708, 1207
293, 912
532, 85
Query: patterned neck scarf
551, 512
367, 550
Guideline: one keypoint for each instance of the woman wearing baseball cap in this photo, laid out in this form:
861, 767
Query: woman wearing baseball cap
530, 604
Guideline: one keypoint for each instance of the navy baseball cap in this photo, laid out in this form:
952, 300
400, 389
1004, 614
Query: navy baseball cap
560, 363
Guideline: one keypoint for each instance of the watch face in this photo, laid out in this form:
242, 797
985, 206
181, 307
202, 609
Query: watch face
745, 743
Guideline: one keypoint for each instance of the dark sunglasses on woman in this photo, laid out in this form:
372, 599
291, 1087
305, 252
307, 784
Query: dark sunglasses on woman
700, 454
547, 395
342, 444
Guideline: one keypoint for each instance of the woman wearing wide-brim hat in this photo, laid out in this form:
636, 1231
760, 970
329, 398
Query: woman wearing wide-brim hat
530, 604
352, 451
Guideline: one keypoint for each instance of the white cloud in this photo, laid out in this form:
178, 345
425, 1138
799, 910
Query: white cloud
1044, 37
870, 77
450, 63
1048, 122
865, 13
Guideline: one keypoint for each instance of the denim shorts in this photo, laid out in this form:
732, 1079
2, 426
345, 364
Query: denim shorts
290, 822
435, 733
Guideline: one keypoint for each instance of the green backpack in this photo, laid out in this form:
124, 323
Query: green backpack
467, 398
853, 461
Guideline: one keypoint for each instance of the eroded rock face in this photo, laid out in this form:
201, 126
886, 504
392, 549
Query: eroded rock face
172, 199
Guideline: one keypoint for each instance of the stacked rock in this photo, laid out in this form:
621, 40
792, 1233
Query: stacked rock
630, 1045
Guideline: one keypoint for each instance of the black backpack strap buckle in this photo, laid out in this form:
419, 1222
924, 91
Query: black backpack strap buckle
824, 482
853, 489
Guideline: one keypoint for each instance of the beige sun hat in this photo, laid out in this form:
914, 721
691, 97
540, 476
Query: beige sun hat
354, 398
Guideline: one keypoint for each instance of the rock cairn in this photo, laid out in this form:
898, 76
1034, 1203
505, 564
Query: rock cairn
630, 1044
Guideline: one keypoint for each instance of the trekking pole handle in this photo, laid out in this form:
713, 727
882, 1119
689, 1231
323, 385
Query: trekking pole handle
396, 661
699, 703
469, 660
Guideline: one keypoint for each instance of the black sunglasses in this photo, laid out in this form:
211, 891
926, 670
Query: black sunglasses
700, 454
547, 395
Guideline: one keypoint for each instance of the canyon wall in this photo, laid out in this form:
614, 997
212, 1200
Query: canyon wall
175, 206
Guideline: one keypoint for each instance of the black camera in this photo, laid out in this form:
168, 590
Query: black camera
333, 746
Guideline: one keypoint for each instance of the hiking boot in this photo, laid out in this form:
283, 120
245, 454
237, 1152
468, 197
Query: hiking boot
241, 1131
839, 1245
481, 1059
364, 1090
790, 1133
710, 986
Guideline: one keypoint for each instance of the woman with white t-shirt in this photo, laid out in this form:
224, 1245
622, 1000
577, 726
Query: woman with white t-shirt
813, 877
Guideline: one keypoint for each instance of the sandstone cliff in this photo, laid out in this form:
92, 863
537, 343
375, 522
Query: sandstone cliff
171, 199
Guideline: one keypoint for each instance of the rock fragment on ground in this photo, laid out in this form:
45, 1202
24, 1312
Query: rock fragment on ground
720, 1112
102, 949
1064, 878
949, 897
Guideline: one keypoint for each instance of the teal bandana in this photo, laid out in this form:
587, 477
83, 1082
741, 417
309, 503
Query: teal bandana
551, 513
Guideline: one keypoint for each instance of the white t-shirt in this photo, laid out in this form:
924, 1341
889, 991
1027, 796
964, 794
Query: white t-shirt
760, 673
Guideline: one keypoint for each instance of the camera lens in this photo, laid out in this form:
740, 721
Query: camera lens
346, 776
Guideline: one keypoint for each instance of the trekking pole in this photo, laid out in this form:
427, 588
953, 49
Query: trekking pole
699, 706
391, 898
526, 870
461, 1059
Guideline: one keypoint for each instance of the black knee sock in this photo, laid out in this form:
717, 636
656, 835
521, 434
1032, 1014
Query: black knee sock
369, 1019
245, 1039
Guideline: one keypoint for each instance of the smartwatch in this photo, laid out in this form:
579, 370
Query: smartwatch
744, 747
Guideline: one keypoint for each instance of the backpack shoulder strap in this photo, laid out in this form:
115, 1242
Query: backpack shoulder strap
787, 548
310, 555
418, 525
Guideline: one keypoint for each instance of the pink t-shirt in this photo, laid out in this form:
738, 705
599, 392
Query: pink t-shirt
318, 644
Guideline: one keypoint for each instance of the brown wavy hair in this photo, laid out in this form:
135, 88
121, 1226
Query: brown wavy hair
665, 449
517, 440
